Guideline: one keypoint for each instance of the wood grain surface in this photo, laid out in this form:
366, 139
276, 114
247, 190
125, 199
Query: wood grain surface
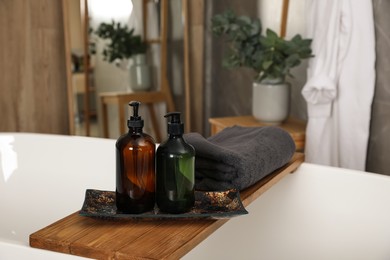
33, 92
141, 239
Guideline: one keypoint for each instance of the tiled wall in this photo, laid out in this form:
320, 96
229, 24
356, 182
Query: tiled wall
378, 158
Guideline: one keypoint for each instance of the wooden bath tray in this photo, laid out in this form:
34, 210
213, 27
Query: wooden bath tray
133, 239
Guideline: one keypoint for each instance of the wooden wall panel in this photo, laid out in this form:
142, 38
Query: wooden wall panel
196, 63
33, 92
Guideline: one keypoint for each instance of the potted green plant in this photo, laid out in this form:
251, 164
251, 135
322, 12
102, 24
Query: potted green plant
123, 44
269, 55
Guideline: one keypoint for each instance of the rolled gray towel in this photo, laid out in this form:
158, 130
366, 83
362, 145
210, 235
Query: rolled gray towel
237, 157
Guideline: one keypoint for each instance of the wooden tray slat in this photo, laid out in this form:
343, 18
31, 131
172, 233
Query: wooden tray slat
138, 239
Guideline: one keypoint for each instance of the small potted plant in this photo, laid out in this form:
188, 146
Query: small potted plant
122, 45
269, 55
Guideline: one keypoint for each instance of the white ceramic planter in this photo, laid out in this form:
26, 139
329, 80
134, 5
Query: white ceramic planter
139, 73
271, 102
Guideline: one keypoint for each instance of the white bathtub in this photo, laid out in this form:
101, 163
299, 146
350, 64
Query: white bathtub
42, 179
319, 212
316, 213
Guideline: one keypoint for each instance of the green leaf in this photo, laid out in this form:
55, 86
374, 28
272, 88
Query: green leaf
271, 34
244, 20
267, 64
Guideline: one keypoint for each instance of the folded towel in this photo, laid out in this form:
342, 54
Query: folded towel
237, 157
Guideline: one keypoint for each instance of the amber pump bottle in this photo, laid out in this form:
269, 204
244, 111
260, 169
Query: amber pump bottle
175, 169
135, 167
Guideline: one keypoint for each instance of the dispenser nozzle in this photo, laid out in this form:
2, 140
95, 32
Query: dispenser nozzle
135, 120
174, 117
175, 126
135, 105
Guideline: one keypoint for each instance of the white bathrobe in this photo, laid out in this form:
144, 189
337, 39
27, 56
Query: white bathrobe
340, 85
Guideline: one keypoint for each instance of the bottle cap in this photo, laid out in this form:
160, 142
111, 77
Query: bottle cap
135, 120
175, 126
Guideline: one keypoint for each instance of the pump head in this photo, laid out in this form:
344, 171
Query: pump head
175, 126
135, 120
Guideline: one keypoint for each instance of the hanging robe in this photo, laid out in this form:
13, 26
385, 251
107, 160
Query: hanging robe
340, 85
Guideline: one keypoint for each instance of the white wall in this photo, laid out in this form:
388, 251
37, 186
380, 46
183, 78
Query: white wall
270, 14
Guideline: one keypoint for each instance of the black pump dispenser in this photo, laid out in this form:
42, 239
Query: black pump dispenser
175, 170
175, 126
135, 120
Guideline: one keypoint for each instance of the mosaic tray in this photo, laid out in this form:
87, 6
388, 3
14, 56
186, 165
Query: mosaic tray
208, 204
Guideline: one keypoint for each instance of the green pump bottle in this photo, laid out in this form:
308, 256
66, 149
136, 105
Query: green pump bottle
135, 167
175, 170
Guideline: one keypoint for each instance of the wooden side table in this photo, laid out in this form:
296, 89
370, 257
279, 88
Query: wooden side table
295, 127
